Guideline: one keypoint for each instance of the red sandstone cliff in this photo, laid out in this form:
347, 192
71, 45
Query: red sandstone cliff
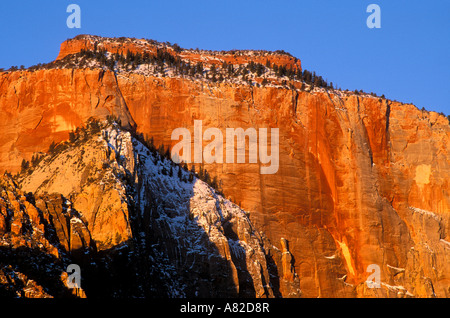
361, 180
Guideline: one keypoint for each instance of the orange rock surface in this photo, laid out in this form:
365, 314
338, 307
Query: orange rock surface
361, 180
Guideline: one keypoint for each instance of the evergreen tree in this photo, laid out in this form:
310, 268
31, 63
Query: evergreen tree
214, 183
24, 166
230, 70
180, 173
72, 137
199, 68
213, 73
200, 172
161, 151
259, 70
52, 147
206, 177
275, 68
176, 48
224, 65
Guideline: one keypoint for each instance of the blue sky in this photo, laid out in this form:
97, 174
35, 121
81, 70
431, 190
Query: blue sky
407, 59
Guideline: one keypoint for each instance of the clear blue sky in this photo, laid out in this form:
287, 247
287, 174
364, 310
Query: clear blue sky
408, 59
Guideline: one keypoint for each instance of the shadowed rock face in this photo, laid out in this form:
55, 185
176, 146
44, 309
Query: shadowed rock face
361, 180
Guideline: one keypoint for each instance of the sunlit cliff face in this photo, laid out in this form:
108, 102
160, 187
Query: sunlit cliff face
361, 180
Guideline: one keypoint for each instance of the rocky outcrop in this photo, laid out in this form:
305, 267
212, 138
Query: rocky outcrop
158, 230
37, 239
362, 180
